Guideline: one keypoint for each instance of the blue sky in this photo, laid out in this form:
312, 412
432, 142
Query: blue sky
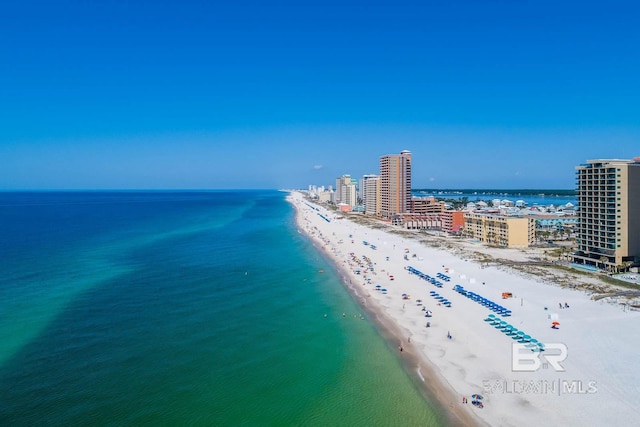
241, 94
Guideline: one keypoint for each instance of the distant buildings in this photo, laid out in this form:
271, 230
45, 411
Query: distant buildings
608, 228
607, 223
346, 193
395, 184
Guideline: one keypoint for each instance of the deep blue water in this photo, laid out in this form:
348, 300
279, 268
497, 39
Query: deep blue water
183, 308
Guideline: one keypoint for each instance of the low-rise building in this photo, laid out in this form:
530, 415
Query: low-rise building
423, 205
429, 221
507, 231
452, 221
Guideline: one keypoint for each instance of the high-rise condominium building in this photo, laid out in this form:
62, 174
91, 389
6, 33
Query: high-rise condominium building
608, 228
363, 187
371, 194
395, 184
346, 190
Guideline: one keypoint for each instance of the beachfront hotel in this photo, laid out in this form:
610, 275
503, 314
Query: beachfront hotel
507, 231
395, 184
608, 228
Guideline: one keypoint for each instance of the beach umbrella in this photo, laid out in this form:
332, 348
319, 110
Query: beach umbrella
476, 397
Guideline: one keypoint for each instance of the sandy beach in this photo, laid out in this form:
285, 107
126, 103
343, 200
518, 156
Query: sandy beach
584, 376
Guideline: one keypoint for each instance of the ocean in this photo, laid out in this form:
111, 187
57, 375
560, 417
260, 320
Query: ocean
184, 308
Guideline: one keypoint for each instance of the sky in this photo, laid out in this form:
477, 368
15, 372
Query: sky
283, 94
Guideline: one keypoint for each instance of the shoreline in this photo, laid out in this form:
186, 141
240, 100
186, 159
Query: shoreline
419, 368
478, 358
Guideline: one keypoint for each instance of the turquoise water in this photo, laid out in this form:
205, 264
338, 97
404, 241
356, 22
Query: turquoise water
187, 308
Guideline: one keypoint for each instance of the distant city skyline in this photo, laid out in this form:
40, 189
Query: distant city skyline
231, 95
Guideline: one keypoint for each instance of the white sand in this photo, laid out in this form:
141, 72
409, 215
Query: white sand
599, 384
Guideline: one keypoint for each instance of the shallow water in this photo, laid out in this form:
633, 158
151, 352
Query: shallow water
198, 308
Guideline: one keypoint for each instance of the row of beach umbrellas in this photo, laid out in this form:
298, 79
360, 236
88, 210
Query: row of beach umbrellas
424, 276
443, 277
504, 312
440, 298
513, 332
